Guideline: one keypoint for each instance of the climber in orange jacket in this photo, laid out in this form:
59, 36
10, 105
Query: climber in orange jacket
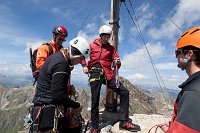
59, 35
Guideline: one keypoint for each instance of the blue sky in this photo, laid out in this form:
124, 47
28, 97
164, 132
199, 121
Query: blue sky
25, 23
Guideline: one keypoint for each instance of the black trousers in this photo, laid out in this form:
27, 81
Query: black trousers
95, 91
46, 121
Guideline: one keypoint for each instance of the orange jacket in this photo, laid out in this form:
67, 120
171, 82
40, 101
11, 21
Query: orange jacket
43, 53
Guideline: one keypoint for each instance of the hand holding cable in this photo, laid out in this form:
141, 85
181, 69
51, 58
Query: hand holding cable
72, 90
114, 67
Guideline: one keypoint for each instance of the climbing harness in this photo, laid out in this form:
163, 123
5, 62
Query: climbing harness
59, 113
28, 121
33, 123
35, 126
101, 76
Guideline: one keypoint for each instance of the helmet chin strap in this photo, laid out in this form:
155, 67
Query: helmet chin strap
185, 63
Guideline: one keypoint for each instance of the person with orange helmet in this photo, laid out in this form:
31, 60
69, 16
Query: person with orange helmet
187, 106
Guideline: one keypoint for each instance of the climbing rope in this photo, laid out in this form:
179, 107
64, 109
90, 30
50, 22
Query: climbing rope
157, 72
151, 60
164, 14
84, 21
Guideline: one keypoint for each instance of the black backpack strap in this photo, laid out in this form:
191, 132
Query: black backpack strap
50, 48
59, 47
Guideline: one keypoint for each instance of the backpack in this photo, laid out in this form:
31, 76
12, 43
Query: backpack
33, 57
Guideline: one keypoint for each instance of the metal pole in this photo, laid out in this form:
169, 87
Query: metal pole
111, 96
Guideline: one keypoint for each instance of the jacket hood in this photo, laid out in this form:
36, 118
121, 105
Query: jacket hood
97, 41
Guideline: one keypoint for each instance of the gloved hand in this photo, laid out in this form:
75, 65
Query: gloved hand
77, 111
85, 69
71, 67
72, 90
164, 127
115, 62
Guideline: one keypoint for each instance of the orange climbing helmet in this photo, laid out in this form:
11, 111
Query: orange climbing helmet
190, 38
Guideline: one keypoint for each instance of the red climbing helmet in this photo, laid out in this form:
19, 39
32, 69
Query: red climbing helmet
60, 30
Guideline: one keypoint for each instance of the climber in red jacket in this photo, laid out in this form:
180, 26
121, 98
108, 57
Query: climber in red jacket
101, 57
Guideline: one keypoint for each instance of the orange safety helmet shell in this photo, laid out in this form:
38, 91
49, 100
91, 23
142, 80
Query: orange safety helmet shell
190, 38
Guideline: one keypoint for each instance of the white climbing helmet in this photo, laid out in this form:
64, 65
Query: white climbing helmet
105, 29
82, 45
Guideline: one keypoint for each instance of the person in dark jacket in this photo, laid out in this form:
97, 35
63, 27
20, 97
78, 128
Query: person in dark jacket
51, 96
102, 56
187, 106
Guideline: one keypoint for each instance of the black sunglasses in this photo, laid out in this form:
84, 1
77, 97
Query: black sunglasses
177, 52
60, 39
181, 51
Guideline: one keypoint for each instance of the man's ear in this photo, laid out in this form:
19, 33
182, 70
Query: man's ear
190, 54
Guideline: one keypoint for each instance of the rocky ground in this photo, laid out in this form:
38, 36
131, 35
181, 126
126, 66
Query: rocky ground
146, 122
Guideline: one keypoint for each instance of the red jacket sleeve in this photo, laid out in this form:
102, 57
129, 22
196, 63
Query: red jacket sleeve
83, 63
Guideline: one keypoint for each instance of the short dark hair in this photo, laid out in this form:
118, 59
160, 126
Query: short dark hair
196, 53
104, 34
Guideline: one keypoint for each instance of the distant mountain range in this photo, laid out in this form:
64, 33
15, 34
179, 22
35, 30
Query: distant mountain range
22, 80
14, 102
14, 80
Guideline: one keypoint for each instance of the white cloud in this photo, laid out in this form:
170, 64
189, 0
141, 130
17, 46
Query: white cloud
6, 67
104, 18
139, 59
33, 45
63, 13
91, 28
89, 38
144, 20
167, 66
186, 13
137, 76
177, 78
